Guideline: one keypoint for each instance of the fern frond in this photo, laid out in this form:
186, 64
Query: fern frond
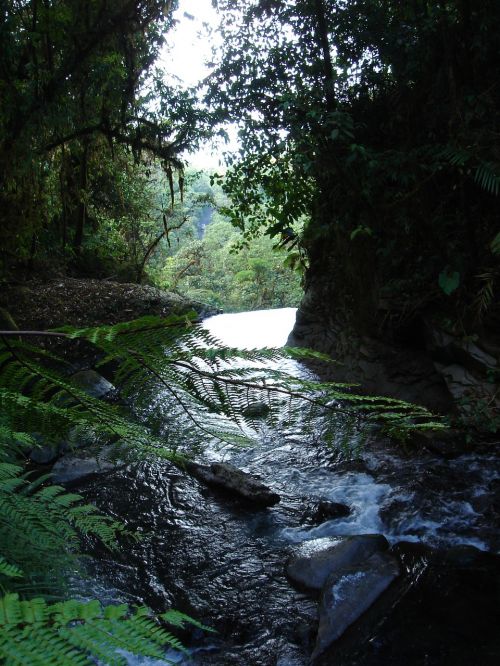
488, 178
485, 296
71, 632
40, 524
9, 570
495, 245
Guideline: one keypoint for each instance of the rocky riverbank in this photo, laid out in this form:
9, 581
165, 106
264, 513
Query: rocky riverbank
38, 305
426, 363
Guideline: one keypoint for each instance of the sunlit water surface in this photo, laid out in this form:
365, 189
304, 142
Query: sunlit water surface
253, 330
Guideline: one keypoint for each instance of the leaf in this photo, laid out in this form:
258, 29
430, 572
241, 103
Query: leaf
449, 281
495, 245
362, 230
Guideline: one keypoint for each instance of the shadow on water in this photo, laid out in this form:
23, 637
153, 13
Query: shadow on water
221, 561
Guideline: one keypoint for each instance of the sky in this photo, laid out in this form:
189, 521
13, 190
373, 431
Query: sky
187, 49
188, 45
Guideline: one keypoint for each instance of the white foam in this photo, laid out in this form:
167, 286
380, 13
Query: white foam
357, 490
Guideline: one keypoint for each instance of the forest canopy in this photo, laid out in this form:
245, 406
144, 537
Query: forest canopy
373, 122
378, 121
83, 103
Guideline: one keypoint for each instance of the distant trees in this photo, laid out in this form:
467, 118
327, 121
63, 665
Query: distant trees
214, 271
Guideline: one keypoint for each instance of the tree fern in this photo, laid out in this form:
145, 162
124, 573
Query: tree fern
487, 177
39, 528
486, 174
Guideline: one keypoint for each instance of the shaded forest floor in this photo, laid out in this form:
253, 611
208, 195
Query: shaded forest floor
38, 305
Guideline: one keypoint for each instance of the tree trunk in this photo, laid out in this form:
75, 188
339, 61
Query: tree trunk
81, 209
324, 45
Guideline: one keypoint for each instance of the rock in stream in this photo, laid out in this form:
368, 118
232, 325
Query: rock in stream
235, 481
349, 592
316, 560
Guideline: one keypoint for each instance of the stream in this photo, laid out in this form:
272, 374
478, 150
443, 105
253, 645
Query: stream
223, 562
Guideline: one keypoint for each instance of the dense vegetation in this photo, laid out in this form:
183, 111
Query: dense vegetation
85, 112
379, 121
374, 121
369, 152
91, 135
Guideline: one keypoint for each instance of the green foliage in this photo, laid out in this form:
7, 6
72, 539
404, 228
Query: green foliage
227, 270
74, 633
40, 525
369, 115
81, 88
205, 381
449, 281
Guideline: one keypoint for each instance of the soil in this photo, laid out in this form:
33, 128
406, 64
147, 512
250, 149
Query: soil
38, 305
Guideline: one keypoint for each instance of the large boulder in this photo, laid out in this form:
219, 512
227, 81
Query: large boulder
349, 592
238, 483
316, 560
44, 455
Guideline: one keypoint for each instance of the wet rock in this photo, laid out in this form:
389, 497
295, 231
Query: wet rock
443, 611
314, 561
70, 468
290, 657
256, 410
349, 592
392, 509
395, 370
325, 510
476, 358
79, 438
462, 556
45, 454
447, 444
92, 383
469, 390
448, 349
352, 465
235, 481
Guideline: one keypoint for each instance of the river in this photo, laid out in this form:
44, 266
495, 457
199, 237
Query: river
206, 554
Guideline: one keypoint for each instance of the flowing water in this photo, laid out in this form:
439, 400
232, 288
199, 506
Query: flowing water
222, 562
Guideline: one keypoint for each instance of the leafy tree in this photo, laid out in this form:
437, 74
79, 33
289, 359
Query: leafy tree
377, 120
77, 81
228, 272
